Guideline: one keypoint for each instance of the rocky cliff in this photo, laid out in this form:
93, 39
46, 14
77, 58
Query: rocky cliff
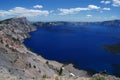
19, 63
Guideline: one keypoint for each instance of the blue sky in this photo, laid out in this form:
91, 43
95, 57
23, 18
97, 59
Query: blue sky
61, 10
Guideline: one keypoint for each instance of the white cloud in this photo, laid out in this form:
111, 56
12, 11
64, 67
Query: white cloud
71, 10
106, 9
105, 2
78, 9
21, 11
89, 15
93, 7
38, 6
116, 3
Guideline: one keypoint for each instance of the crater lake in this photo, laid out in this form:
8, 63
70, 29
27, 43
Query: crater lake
81, 45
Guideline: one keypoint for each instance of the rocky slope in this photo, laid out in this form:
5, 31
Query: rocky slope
17, 60
19, 63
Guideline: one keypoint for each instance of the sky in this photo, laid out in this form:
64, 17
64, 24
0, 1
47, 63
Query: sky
61, 10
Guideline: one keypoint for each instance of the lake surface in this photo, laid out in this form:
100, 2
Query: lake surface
80, 45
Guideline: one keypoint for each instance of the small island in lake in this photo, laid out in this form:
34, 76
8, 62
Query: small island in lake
113, 48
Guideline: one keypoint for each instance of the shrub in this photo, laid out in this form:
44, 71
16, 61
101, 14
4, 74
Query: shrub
44, 76
61, 71
98, 78
57, 78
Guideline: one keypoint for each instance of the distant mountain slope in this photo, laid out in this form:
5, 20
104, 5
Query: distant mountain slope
111, 23
104, 23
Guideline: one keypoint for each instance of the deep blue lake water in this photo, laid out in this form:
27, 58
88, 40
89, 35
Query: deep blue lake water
80, 45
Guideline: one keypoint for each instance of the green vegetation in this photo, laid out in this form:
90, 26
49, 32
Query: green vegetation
57, 78
61, 71
34, 66
44, 76
98, 78
47, 62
